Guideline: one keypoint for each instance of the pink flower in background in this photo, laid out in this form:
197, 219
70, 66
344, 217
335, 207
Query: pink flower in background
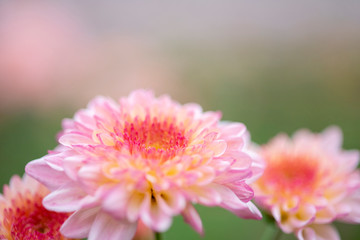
309, 182
22, 215
40, 44
143, 232
145, 158
49, 51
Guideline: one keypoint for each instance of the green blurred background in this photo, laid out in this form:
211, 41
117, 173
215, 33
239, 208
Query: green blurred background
275, 67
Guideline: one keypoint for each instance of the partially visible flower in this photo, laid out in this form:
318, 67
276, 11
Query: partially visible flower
309, 182
143, 232
22, 215
40, 42
145, 159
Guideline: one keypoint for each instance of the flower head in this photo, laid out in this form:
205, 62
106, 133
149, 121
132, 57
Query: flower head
145, 158
22, 215
309, 181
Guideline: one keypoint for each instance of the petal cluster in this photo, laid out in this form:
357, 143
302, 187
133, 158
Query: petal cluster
22, 215
309, 182
145, 158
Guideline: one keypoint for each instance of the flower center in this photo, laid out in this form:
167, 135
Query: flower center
154, 139
291, 173
33, 221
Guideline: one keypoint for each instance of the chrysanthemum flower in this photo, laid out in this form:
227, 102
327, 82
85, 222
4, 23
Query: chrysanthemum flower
22, 215
145, 158
309, 182
143, 232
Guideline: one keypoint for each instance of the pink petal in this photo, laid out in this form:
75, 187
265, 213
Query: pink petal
72, 165
232, 129
275, 211
69, 139
306, 234
193, 109
16, 184
66, 199
233, 175
352, 160
115, 202
229, 199
222, 163
291, 204
205, 175
248, 211
48, 176
243, 191
243, 160
31, 184
153, 216
54, 159
350, 208
192, 218
318, 232
141, 97
332, 137
325, 215
172, 202
106, 227
233, 134
258, 163
304, 215
326, 232
218, 147
206, 195
143, 232
134, 206
84, 118
235, 142
90, 175
79, 223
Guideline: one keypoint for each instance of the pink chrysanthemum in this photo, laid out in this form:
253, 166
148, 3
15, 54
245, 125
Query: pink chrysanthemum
145, 158
309, 182
22, 215
143, 232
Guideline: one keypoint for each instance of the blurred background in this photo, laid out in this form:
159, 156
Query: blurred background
276, 66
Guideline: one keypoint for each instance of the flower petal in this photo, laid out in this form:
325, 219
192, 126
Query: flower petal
70, 139
171, 201
206, 195
79, 223
66, 199
332, 137
192, 218
318, 232
134, 206
115, 202
106, 227
153, 216
48, 176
